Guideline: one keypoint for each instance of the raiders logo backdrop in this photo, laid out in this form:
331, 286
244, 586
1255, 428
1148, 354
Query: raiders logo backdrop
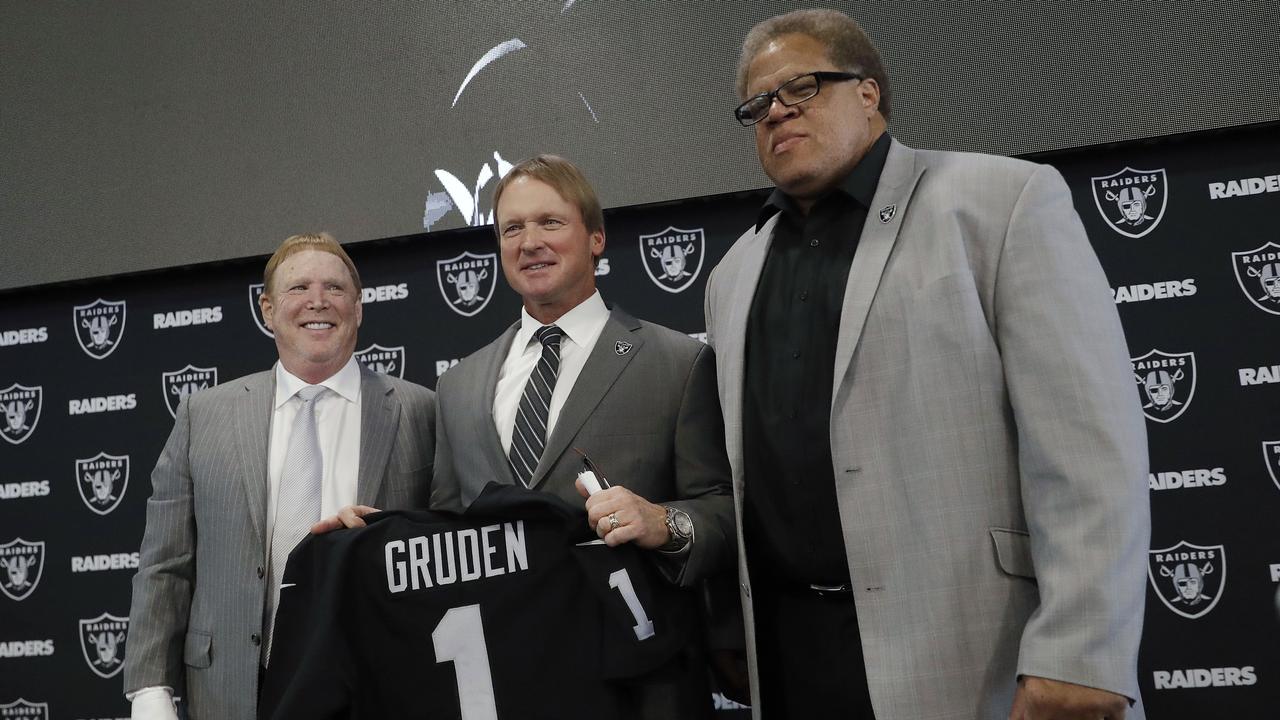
1185, 228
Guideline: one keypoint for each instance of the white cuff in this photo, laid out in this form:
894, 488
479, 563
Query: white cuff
152, 703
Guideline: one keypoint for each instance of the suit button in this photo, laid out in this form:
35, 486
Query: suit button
256, 639
261, 572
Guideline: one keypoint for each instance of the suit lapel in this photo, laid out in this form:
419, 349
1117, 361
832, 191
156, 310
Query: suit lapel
731, 337
483, 430
379, 420
897, 182
603, 367
253, 429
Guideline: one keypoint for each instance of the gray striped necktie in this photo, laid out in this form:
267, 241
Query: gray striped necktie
298, 501
529, 436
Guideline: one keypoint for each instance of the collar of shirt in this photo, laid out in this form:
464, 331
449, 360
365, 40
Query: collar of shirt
860, 184
582, 324
345, 383
582, 327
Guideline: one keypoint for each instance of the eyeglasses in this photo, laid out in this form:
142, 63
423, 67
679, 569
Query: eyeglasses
792, 92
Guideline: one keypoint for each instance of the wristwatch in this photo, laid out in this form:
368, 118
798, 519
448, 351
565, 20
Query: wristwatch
680, 525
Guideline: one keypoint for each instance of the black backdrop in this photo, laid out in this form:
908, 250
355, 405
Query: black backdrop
1189, 275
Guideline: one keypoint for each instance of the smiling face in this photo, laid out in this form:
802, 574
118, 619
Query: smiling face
547, 254
313, 307
806, 149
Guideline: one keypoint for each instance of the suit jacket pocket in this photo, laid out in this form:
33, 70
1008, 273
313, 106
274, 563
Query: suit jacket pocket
196, 651
1013, 552
406, 488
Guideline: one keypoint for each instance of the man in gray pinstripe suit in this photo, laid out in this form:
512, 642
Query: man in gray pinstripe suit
237, 486
939, 463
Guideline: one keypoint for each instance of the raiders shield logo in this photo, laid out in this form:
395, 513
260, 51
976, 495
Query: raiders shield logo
1132, 201
673, 258
21, 405
178, 384
102, 642
467, 281
1258, 273
388, 361
99, 327
622, 347
102, 481
23, 710
1166, 383
255, 309
887, 212
23, 564
1188, 578
1271, 456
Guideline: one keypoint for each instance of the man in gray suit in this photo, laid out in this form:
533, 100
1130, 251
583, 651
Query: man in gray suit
249, 466
939, 465
638, 399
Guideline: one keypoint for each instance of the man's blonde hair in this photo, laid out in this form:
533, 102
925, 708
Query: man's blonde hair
565, 178
294, 244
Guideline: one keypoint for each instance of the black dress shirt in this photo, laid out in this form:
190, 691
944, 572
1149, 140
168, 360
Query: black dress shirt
791, 523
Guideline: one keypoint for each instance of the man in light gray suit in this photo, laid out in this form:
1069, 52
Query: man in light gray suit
249, 466
638, 399
939, 465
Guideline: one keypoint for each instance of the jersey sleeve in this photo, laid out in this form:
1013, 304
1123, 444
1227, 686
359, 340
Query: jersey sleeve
644, 619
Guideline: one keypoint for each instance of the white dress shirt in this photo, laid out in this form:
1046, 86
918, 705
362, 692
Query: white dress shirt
338, 428
582, 327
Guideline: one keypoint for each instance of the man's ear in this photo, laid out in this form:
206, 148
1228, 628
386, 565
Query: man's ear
597, 243
264, 302
869, 89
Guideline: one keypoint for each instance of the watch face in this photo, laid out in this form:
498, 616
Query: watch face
683, 524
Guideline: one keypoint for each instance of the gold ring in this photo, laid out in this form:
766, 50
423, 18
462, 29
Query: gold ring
613, 521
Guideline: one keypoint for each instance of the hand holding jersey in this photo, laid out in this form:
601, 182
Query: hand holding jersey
620, 516
349, 516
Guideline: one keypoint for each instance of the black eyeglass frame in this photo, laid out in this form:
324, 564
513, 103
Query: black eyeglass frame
820, 76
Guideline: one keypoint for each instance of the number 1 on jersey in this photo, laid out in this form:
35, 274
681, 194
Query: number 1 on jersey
459, 637
619, 580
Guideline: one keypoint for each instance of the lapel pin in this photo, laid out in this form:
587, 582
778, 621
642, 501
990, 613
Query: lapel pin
622, 347
887, 212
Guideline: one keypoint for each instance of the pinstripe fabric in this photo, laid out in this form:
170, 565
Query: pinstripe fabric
199, 593
989, 453
530, 434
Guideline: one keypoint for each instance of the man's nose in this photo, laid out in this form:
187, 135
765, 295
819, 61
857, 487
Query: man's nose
779, 111
316, 297
532, 240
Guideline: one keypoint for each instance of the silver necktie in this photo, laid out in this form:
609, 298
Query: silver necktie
298, 504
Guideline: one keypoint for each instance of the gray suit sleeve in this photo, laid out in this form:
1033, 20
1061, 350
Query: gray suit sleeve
1082, 445
162, 587
445, 490
702, 477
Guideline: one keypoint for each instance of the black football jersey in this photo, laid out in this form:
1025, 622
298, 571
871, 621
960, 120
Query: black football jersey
513, 610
